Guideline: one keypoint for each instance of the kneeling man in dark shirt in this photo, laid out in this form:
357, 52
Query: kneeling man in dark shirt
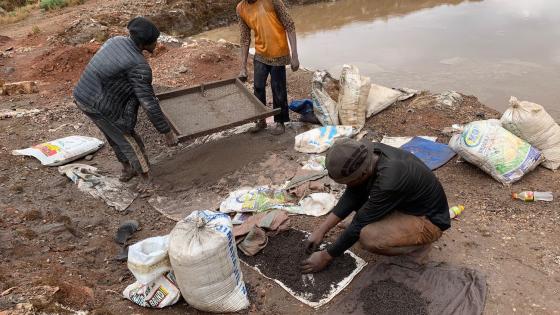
400, 205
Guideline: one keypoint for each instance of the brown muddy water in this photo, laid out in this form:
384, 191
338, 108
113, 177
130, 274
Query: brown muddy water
492, 49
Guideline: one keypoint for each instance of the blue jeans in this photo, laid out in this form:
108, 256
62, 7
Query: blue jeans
278, 84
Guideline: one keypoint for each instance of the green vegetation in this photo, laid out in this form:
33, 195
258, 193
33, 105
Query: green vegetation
17, 14
35, 30
12, 11
57, 4
52, 4
12, 5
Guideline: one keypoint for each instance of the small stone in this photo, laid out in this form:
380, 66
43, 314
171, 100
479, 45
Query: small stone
89, 157
8, 70
182, 69
24, 87
448, 99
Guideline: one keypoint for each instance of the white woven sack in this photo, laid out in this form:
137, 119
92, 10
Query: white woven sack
531, 122
498, 152
62, 151
148, 260
324, 106
352, 100
204, 258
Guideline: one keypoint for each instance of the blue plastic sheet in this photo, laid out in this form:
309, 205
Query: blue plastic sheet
433, 154
302, 106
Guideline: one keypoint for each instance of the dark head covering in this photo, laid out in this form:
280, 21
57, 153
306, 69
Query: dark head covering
348, 160
142, 31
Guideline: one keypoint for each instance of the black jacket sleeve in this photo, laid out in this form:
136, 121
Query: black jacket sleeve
141, 79
379, 204
349, 202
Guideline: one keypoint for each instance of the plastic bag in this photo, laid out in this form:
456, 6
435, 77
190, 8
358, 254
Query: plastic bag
316, 204
155, 284
161, 292
148, 259
62, 151
320, 139
304, 107
204, 257
301, 107
324, 107
111, 190
352, 100
498, 152
381, 97
315, 163
249, 199
531, 122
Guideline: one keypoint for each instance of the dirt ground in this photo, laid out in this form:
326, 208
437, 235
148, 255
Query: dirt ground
56, 243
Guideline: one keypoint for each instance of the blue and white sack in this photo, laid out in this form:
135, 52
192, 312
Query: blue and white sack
204, 258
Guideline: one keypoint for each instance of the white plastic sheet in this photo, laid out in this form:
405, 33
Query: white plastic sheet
316, 205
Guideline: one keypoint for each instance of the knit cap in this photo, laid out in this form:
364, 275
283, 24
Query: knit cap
348, 160
142, 31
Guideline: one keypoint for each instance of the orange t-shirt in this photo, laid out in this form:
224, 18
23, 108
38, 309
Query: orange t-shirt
271, 40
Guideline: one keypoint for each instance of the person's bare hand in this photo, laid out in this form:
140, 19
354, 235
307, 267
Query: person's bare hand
316, 262
295, 63
313, 241
171, 139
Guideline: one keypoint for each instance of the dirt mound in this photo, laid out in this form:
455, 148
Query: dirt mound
84, 30
64, 64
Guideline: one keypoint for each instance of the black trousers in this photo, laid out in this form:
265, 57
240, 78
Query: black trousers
278, 84
128, 147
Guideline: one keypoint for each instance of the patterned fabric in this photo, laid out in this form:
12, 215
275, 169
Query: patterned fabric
116, 81
287, 22
284, 16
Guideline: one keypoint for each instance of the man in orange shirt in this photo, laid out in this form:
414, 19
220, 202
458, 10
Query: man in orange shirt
270, 21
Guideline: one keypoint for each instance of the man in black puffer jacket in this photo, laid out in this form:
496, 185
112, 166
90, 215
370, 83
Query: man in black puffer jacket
117, 80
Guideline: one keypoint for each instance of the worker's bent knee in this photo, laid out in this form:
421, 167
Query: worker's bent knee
372, 241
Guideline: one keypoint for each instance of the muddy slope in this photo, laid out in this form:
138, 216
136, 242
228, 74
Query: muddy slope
179, 17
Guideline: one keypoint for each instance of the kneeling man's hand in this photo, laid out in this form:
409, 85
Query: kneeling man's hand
313, 242
316, 262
